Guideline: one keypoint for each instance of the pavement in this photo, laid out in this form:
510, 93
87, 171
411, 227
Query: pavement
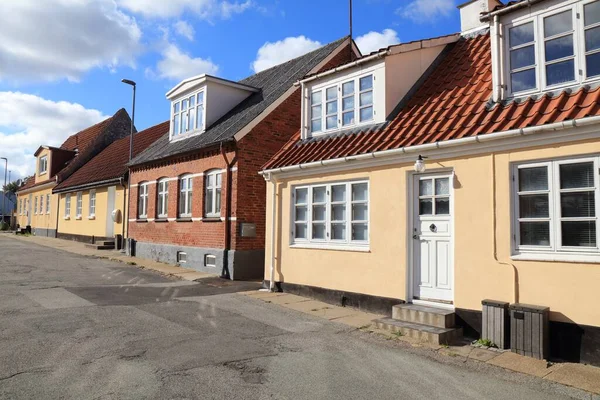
78, 326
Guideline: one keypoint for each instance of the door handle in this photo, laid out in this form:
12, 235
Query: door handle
416, 237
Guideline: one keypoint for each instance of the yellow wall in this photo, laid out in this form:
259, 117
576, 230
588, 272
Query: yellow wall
569, 289
86, 226
41, 220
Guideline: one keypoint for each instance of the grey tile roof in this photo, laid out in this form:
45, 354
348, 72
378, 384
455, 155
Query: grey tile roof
273, 83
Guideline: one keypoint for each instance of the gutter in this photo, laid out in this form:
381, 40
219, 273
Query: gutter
440, 145
88, 185
229, 164
125, 216
525, 3
270, 178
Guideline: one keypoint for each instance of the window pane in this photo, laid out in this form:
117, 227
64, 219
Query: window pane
176, 125
348, 118
192, 120
366, 114
319, 194
535, 233
534, 206
523, 57
348, 88
338, 231
338, 193
592, 39
317, 111
332, 107
366, 83
315, 126
331, 122
442, 186
318, 231
192, 101
209, 201
210, 181
201, 98
559, 48
521, 34
331, 93
360, 212
301, 213
366, 98
523, 80
338, 212
302, 196
200, 117
592, 13
442, 206
218, 202
360, 192
579, 233
426, 187
348, 103
158, 204
580, 204
559, 23
176, 108
360, 232
560, 72
300, 231
593, 64
319, 213
580, 175
532, 179
316, 97
425, 207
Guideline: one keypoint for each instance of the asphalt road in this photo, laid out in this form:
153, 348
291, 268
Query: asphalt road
73, 327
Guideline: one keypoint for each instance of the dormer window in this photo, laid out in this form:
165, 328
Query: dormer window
43, 165
188, 115
554, 49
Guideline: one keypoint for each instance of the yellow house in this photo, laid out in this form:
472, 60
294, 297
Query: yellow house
437, 175
37, 206
93, 201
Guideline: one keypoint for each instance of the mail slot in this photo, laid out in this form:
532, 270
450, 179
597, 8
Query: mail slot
530, 330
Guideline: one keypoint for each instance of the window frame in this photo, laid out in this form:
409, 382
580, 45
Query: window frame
199, 109
43, 161
579, 50
207, 263
48, 197
41, 204
216, 191
555, 251
328, 243
92, 203
189, 193
142, 200
162, 198
67, 206
35, 205
79, 205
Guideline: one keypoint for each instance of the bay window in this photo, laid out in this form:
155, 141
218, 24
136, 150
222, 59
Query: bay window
187, 114
212, 194
555, 206
162, 199
143, 200
185, 196
331, 214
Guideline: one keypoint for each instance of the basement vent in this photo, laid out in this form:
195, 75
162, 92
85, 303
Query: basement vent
210, 260
181, 257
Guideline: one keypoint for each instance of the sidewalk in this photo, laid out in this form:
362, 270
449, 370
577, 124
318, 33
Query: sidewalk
115, 255
584, 377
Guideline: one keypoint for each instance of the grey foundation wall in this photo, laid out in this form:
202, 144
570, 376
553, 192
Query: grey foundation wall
44, 232
242, 265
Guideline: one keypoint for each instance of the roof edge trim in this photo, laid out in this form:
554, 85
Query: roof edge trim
210, 78
87, 185
505, 10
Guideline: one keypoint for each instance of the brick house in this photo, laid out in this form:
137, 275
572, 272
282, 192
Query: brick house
196, 196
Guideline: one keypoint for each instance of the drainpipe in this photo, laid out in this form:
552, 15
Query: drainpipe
272, 179
125, 194
495, 237
57, 213
225, 271
498, 87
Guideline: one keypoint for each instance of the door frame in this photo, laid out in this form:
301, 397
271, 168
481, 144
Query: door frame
410, 260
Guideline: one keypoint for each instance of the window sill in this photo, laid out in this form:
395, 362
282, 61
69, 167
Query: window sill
161, 220
78, 218
142, 220
330, 246
66, 218
557, 257
92, 217
184, 219
186, 135
211, 219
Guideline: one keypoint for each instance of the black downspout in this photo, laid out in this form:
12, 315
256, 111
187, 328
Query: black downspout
225, 272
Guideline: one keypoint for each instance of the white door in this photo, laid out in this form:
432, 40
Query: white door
433, 270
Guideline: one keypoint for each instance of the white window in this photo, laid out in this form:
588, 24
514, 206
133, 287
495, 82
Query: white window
181, 257
143, 200
47, 204
210, 260
187, 115
212, 195
185, 196
43, 167
331, 214
79, 205
556, 207
355, 108
20, 210
35, 205
68, 205
162, 200
41, 204
92, 211
554, 49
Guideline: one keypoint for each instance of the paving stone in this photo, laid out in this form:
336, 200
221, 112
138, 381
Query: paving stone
523, 364
310, 306
470, 352
358, 319
285, 299
264, 295
578, 375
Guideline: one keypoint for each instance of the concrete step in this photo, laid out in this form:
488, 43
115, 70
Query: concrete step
423, 315
101, 246
427, 333
105, 242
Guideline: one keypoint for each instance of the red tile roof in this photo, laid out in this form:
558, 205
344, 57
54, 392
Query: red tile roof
30, 183
452, 103
82, 139
112, 162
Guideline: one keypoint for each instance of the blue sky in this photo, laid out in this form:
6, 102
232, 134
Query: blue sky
61, 61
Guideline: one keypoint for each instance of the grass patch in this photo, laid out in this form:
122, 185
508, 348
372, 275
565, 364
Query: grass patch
398, 334
485, 343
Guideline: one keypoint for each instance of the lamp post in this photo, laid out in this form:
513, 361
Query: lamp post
133, 85
4, 187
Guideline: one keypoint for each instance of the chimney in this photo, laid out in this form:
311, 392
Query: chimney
471, 11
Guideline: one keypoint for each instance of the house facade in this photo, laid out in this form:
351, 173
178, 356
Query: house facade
450, 171
196, 196
93, 201
37, 206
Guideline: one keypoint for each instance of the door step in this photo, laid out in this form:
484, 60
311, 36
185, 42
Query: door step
102, 245
434, 325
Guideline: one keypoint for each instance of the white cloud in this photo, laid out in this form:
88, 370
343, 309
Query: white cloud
39, 122
184, 29
421, 11
56, 39
271, 54
173, 8
373, 41
178, 65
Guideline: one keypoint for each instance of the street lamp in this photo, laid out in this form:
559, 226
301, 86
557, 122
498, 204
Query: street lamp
4, 187
133, 85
